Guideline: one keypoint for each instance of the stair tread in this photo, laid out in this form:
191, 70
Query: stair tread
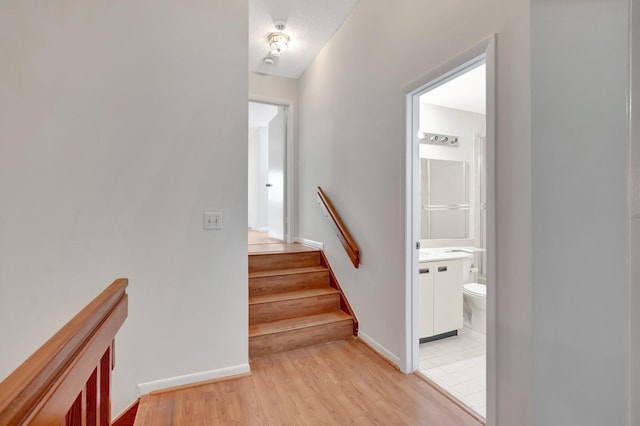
290, 250
143, 408
290, 324
292, 295
290, 271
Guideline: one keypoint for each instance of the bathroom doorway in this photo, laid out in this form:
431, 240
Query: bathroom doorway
267, 176
450, 144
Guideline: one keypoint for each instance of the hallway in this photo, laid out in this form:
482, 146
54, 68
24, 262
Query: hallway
341, 382
260, 242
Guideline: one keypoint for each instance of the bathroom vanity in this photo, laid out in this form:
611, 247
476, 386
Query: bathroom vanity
440, 293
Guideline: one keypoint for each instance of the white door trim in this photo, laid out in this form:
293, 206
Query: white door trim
486, 50
289, 176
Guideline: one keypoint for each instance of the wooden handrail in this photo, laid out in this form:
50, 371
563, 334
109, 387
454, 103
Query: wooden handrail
341, 231
68, 380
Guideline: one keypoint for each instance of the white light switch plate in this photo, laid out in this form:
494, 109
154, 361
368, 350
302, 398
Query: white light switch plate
212, 220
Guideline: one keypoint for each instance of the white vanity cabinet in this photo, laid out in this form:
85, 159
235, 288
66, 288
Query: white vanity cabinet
440, 297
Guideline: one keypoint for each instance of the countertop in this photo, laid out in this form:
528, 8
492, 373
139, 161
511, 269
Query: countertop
449, 253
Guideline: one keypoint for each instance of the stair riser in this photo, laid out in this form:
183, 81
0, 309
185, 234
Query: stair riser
276, 284
270, 262
284, 309
287, 340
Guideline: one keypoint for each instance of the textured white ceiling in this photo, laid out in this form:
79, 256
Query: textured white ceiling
466, 92
310, 24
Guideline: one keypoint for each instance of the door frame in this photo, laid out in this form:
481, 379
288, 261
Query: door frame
289, 201
485, 50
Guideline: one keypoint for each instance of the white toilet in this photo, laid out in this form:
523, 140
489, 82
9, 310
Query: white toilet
474, 297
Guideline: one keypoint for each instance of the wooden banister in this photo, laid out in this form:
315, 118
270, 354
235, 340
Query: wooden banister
68, 380
341, 230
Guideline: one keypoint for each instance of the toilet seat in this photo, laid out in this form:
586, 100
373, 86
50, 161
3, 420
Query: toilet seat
475, 289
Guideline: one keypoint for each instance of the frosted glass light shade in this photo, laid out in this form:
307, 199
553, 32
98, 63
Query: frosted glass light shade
279, 41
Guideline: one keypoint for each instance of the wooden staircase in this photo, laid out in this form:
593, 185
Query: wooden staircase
295, 301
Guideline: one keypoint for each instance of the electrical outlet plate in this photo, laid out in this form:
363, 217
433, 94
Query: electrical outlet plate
212, 220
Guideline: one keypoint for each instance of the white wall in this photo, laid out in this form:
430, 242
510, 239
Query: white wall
352, 143
448, 121
272, 89
119, 126
634, 231
282, 91
580, 247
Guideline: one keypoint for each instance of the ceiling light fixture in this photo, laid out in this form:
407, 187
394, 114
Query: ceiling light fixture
278, 41
438, 139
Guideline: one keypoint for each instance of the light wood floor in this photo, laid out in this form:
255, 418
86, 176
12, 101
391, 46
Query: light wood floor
258, 237
336, 383
260, 242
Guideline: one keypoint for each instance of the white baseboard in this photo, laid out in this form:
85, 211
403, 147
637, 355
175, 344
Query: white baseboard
310, 243
259, 229
386, 353
187, 379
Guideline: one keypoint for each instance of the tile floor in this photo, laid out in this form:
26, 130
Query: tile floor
458, 365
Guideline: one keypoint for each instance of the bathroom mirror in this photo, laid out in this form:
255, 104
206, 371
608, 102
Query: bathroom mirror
444, 199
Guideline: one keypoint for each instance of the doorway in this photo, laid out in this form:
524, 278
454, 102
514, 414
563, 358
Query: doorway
267, 175
450, 229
